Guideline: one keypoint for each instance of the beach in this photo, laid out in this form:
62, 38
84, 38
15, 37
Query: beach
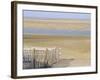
75, 51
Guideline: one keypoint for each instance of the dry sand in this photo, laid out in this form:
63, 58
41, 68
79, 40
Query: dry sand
75, 50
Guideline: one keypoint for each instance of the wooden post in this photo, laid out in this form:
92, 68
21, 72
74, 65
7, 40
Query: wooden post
33, 55
46, 57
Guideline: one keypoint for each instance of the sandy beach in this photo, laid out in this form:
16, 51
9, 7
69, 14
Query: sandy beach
75, 51
68, 31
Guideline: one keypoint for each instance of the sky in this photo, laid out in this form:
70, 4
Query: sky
55, 15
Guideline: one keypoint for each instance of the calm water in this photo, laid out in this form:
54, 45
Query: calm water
41, 31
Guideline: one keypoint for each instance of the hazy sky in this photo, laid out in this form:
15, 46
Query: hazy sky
57, 15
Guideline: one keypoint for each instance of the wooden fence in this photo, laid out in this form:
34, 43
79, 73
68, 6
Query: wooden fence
40, 57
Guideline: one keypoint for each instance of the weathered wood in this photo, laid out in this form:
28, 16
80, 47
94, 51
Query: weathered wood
37, 57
